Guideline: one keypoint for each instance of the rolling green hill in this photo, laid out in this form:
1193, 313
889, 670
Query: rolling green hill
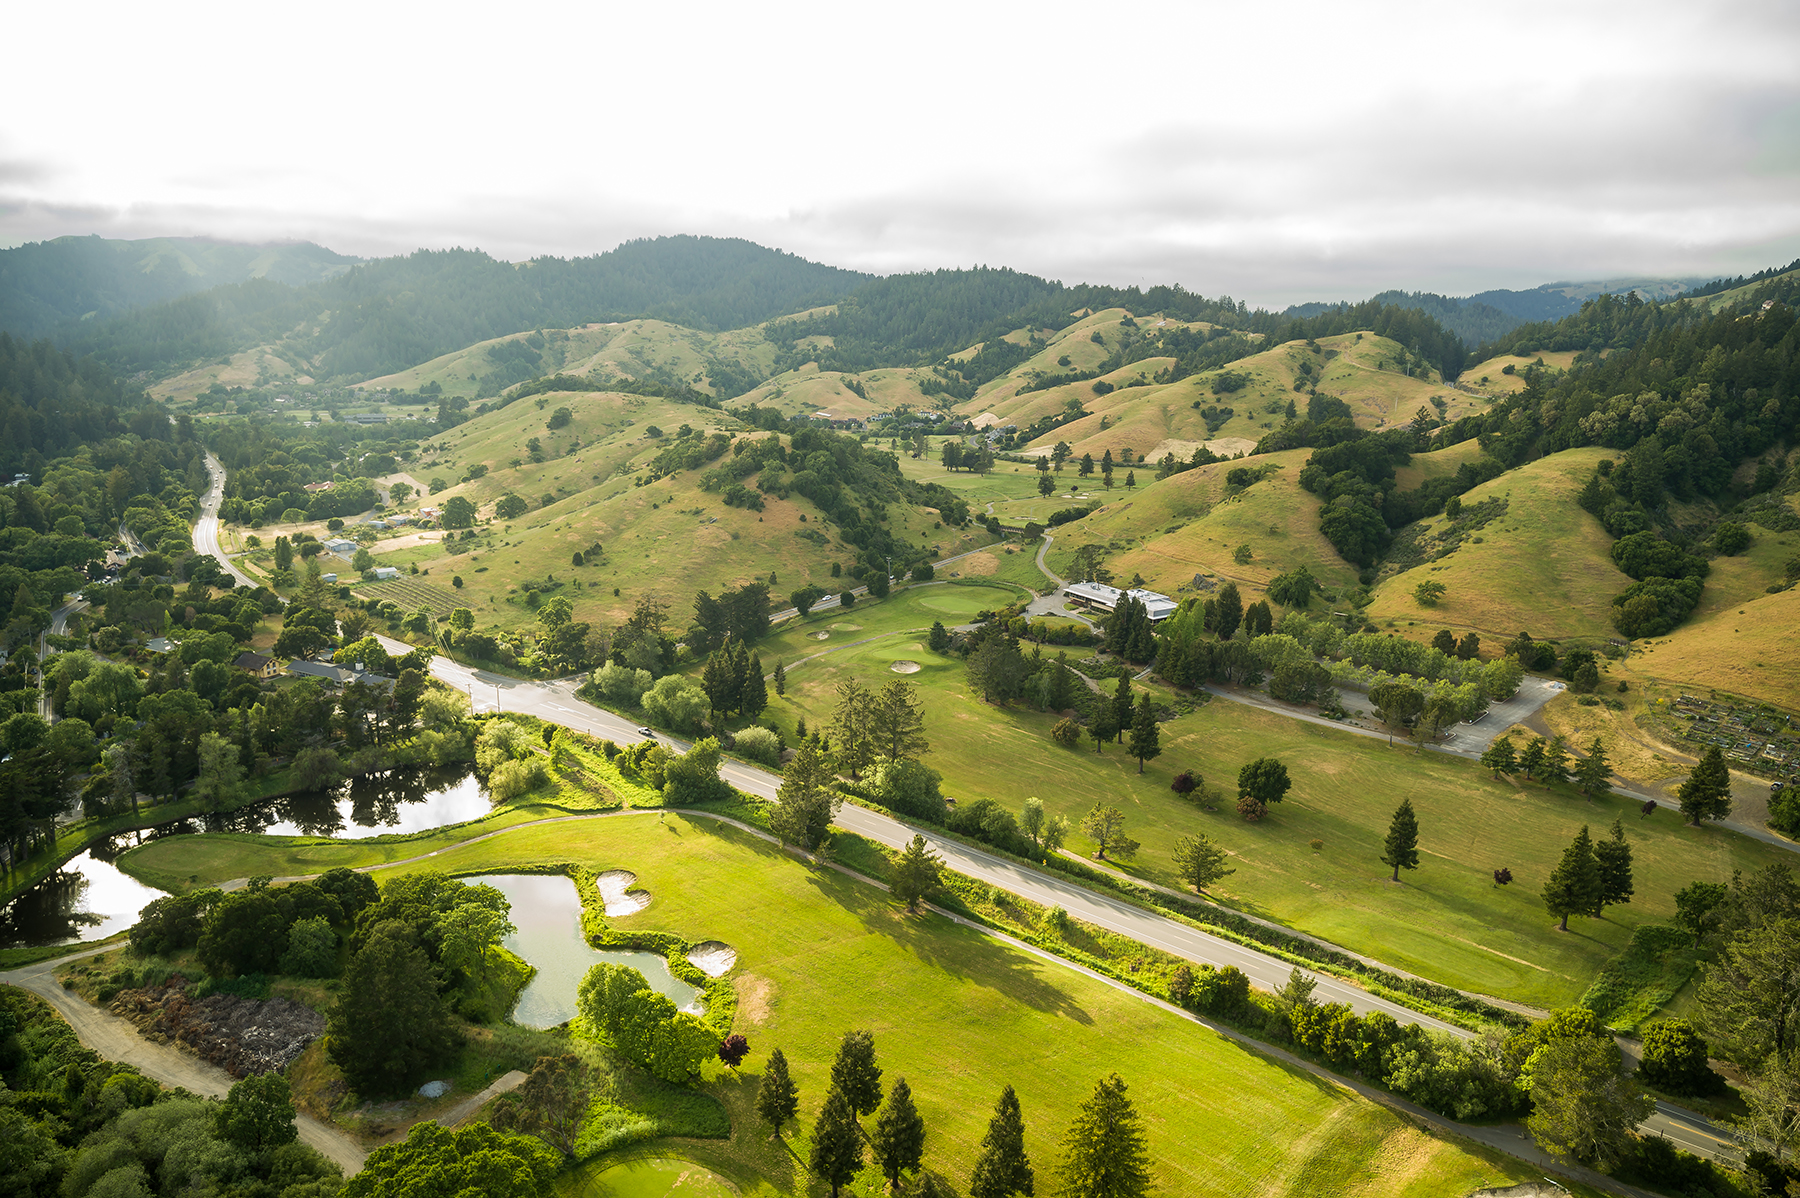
1542, 567
1193, 523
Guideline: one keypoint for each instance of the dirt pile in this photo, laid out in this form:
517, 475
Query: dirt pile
240, 1035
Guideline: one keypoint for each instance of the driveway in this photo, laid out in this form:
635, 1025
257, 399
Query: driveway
118, 1040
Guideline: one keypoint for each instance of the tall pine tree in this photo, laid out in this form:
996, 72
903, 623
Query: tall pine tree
1002, 1169
1612, 856
753, 697
837, 1146
1501, 757
1402, 840
1146, 741
1592, 771
1121, 707
855, 1074
1707, 792
1574, 888
1104, 1154
899, 1139
777, 1098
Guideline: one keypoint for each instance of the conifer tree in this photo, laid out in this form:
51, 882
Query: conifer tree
1121, 707
1501, 757
1531, 757
754, 696
780, 678
1402, 840
837, 1147
1104, 1155
1574, 887
1707, 792
1612, 856
1145, 739
777, 1098
899, 1140
1592, 772
854, 1073
939, 639
1556, 761
1002, 1169
1228, 611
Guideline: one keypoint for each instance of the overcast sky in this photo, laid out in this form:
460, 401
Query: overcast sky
1274, 152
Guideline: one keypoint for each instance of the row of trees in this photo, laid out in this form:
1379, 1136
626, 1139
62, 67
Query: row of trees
1104, 1150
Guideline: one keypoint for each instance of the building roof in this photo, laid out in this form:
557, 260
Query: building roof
251, 661
336, 673
1158, 606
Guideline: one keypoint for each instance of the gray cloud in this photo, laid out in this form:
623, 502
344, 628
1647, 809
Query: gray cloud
1333, 153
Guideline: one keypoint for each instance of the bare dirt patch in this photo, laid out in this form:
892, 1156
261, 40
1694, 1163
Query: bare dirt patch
754, 994
616, 892
240, 1035
979, 565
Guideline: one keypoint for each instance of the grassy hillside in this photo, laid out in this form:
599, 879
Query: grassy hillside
1193, 523
1744, 648
1447, 921
1488, 375
262, 366
1152, 419
635, 349
665, 541
1543, 567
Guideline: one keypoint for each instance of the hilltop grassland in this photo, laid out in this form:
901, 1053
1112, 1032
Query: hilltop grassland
810, 391
1194, 522
1489, 376
1746, 649
1544, 567
1439, 463
1448, 921
1737, 295
630, 349
260, 366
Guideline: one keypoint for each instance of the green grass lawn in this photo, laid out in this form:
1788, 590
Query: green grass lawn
1447, 921
909, 609
960, 1015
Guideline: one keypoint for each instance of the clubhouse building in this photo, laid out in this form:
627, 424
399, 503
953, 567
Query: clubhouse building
1097, 596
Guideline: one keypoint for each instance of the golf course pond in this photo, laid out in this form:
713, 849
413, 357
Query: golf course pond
547, 913
90, 899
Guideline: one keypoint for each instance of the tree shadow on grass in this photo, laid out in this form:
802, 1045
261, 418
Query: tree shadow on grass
964, 953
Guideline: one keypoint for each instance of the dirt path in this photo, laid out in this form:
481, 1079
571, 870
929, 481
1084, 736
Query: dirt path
117, 1040
468, 1106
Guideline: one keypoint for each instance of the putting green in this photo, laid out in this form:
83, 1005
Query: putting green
657, 1177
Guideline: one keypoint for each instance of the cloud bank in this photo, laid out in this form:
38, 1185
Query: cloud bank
1311, 151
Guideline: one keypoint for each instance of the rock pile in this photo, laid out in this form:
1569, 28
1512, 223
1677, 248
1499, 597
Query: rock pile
242, 1036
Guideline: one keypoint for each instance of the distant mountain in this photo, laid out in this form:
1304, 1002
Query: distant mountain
1488, 315
387, 315
45, 285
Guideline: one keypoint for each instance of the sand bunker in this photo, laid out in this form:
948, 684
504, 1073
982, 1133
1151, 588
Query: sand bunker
904, 667
713, 957
821, 636
617, 894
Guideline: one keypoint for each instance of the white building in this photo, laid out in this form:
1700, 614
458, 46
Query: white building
1097, 596
383, 573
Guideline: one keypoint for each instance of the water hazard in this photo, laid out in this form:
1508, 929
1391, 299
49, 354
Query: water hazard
547, 913
90, 899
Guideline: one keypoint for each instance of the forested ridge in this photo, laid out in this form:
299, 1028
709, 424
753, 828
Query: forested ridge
397, 312
44, 285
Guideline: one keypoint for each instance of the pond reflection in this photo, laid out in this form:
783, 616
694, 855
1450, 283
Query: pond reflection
90, 899
547, 913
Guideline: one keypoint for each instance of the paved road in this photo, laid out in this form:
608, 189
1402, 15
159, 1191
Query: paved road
556, 702
118, 1040
206, 528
